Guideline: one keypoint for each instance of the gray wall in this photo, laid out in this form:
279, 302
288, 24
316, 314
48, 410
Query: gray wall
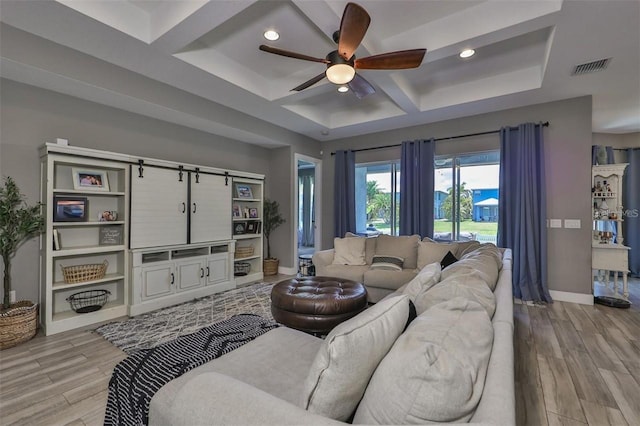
568, 143
31, 116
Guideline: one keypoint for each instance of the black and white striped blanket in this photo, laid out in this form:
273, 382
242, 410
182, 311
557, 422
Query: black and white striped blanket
139, 376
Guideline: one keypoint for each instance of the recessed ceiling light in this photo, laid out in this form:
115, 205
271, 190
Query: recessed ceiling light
343, 89
324, 132
271, 35
467, 53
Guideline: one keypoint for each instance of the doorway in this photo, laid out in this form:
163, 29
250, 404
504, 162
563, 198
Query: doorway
307, 206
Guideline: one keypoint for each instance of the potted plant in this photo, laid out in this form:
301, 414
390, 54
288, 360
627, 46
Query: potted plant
271, 219
18, 224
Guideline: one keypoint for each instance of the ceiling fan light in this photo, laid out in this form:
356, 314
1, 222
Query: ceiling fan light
343, 89
340, 73
271, 35
467, 53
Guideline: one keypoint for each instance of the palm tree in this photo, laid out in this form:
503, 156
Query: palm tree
466, 203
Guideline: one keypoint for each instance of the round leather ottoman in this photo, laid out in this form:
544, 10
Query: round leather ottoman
316, 304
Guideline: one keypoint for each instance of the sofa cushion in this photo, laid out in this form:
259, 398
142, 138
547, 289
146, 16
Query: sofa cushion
435, 371
426, 278
349, 251
390, 280
404, 246
347, 272
448, 259
464, 247
348, 357
392, 263
486, 249
430, 252
369, 246
481, 262
468, 286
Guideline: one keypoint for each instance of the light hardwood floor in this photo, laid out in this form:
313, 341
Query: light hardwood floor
575, 364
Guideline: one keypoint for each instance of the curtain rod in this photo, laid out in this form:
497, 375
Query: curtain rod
624, 149
545, 124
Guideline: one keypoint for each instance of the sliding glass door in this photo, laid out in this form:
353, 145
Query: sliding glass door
466, 197
377, 198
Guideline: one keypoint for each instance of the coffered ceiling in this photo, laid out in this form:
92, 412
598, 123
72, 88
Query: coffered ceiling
197, 63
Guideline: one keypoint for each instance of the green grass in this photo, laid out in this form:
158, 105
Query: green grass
483, 228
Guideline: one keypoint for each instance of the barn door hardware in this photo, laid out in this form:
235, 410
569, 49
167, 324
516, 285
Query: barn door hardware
140, 168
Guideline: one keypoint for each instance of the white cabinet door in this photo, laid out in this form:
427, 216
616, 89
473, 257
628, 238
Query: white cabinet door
157, 280
190, 274
158, 208
217, 268
210, 208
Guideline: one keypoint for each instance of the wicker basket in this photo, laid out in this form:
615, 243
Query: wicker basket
241, 269
18, 324
82, 273
270, 266
242, 252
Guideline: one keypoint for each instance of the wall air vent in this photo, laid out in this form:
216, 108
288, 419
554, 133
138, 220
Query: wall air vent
590, 67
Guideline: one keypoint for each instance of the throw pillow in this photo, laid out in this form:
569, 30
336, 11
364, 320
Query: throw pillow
430, 252
404, 246
349, 251
435, 371
393, 263
348, 357
448, 259
369, 246
465, 247
426, 278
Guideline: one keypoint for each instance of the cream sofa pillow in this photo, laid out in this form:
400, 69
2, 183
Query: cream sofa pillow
435, 371
349, 251
468, 286
348, 357
404, 246
369, 246
426, 278
430, 252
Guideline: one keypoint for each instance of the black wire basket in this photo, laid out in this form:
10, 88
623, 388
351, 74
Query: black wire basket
88, 301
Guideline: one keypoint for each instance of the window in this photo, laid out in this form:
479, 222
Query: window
378, 198
466, 195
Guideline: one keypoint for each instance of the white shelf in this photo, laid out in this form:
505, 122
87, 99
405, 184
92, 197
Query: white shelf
243, 219
250, 200
246, 236
89, 193
604, 195
61, 285
250, 278
104, 311
94, 223
87, 250
609, 246
239, 259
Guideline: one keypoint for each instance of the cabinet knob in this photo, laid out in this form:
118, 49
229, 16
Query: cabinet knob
208, 271
194, 207
173, 278
184, 208
201, 273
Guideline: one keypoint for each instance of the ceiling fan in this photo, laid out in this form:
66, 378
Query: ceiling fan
342, 63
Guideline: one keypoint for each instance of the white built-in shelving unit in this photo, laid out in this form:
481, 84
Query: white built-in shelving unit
247, 206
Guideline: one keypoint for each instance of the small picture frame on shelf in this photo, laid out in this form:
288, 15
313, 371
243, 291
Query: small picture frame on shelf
253, 213
110, 235
236, 211
239, 228
251, 227
90, 180
244, 191
70, 209
108, 216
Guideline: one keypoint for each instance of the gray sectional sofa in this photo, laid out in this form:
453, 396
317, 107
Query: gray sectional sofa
453, 363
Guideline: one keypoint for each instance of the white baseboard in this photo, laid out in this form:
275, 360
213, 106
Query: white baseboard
565, 296
287, 271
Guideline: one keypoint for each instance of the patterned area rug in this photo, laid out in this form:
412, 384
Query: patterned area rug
153, 328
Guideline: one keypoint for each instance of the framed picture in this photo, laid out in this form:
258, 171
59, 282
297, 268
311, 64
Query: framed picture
70, 209
108, 216
236, 211
90, 180
253, 213
110, 235
244, 191
251, 227
239, 228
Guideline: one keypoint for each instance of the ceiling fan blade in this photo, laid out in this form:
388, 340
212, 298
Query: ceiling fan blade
289, 54
400, 60
308, 83
361, 87
354, 24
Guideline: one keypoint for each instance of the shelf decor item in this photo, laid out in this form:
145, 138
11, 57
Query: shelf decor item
88, 301
242, 252
271, 220
82, 273
18, 224
244, 191
90, 180
70, 209
241, 269
111, 235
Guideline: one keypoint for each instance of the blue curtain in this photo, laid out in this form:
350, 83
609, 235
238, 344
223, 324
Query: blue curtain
344, 193
416, 187
608, 150
522, 209
631, 203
